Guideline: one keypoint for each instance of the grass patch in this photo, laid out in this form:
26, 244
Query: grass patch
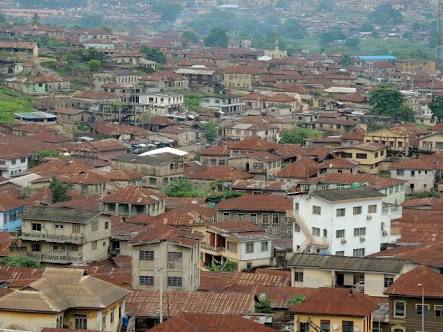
12, 102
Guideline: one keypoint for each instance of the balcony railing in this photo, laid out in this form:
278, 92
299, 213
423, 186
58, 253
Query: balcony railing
54, 258
77, 239
212, 248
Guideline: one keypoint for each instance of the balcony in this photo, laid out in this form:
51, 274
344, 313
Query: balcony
56, 259
58, 238
212, 248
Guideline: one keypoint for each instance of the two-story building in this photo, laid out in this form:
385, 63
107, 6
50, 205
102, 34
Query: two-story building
398, 140
165, 257
368, 275
345, 222
272, 212
420, 175
334, 309
65, 235
263, 165
224, 104
162, 103
416, 301
11, 208
368, 156
131, 201
64, 298
240, 241
157, 170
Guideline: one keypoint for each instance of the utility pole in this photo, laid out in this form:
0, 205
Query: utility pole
423, 310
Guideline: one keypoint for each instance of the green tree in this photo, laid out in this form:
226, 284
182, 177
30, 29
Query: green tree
183, 188
297, 299
436, 107
47, 153
217, 38
385, 14
226, 266
346, 60
331, 36
390, 102
210, 131
263, 305
297, 135
59, 191
35, 19
168, 10
353, 43
192, 102
21, 261
94, 65
190, 37
292, 29
153, 54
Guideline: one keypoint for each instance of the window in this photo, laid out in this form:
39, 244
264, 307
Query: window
339, 253
316, 210
275, 219
94, 245
438, 310
112, 316
412, 173
80, 322
360, 231
372, 208
400, 172
146, 255
419, 309
264, 246
340, 233
347, 326
340, 212
389, 280
265, 219
399, 309
315, 231
254, 217
325, 325
298, 276
106, 224
361, 156
103, 321
297, 206
37, 227
36, 247
360, 252
296, 228
249, 247
231, 246
175, 282
175, 256
94, 226
226, 215
76, 228
146, 280
58, 226
356, 210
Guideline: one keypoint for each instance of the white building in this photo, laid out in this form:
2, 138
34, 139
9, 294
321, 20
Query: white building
162, 103
420, 175
12, 166
345, 222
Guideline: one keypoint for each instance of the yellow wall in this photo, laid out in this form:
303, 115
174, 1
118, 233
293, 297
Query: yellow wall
359, 322
27, 321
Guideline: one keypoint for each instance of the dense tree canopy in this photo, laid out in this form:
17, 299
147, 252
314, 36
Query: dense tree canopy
21, 261
389, 102
59, 191
167, 9
331, 36
210, 131
217, 38
436, 107
154, 54
297, 135
385, 14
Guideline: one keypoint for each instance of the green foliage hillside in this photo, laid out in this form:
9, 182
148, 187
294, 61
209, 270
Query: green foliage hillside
11, 102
